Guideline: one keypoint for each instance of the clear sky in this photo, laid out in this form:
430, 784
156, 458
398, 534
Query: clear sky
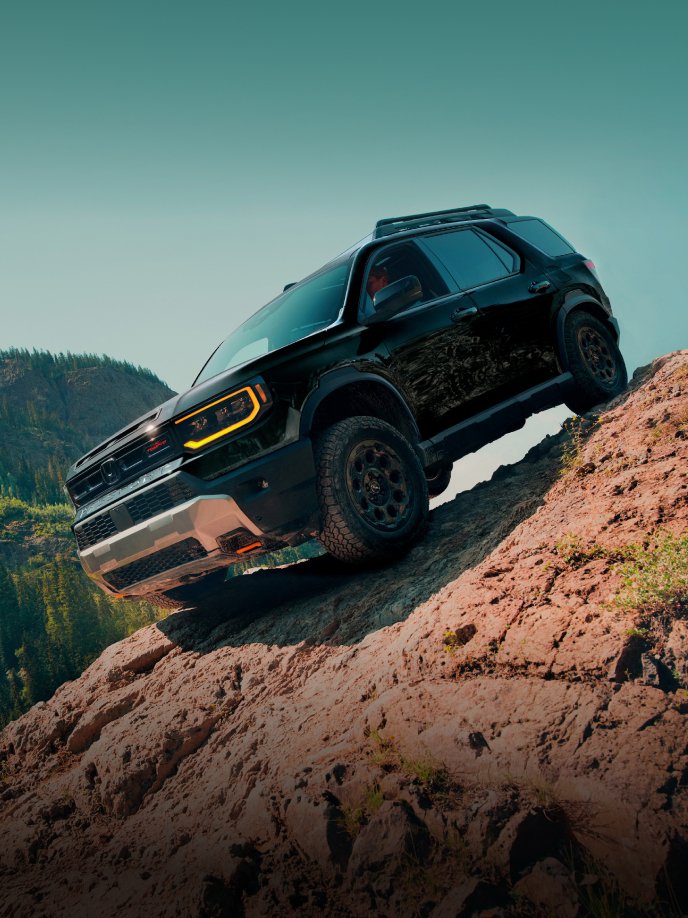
167, 166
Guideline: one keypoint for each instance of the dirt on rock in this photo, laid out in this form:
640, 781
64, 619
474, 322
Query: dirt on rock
496, 723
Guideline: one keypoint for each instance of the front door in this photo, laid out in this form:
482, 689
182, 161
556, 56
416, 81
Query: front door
420, 345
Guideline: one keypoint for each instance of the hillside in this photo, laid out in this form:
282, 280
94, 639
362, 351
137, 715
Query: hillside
53, 408
493, 725
53, 621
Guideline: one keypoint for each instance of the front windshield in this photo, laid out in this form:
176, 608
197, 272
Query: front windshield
299, 311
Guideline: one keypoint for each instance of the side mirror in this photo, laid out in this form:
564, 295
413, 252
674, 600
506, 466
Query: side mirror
395, 297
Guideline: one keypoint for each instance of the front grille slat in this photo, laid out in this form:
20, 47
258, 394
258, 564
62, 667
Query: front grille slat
94, 531
129, 461
160, 561
158, 499
142, 507
87, 486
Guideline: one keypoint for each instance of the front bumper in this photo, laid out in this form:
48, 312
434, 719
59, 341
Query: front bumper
191, 526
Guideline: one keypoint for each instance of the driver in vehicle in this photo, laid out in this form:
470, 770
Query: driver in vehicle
378, 277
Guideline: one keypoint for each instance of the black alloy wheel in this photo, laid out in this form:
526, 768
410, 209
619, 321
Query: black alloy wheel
598, 357
371, 489
378, 485
594, 360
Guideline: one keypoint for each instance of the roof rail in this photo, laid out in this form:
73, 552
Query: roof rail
391, 225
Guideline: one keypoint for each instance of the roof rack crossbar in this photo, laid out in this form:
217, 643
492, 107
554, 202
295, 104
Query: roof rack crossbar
432, 213
391, 225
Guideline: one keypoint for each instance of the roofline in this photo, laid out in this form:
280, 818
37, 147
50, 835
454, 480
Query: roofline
392, 225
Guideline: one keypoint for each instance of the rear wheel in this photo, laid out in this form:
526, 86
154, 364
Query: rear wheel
595, 361
371, 488
438, 479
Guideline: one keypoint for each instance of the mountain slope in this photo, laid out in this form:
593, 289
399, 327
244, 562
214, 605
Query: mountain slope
53, 621
497, 720
53, 408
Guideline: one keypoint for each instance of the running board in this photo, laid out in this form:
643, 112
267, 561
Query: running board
489, 425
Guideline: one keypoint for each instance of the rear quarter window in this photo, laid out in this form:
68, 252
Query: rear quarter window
542, 236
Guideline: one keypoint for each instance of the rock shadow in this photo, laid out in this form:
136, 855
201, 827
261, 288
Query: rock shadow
325, 601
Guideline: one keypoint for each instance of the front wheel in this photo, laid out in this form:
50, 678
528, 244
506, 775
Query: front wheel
595, 361
372, 492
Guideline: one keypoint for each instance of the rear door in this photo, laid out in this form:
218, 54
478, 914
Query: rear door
514, 299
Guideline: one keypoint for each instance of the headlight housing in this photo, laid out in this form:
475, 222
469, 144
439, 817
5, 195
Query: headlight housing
222, 416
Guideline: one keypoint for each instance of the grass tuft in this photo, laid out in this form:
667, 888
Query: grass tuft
655, 576
578, 429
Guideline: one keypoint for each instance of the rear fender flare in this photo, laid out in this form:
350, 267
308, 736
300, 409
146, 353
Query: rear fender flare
585, 303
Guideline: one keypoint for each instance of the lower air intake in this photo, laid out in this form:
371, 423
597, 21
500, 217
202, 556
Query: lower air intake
157, 563
94, 531
156, 500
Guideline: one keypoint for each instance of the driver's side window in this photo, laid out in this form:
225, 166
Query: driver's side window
393, 263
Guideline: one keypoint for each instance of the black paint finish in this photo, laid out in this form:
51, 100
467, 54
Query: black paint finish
453, 372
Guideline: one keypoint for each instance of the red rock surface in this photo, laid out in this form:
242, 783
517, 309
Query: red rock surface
472, 728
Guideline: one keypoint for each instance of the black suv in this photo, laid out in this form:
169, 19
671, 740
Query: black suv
337, 409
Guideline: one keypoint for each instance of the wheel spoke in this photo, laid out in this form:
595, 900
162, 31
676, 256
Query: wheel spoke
597, 356
377, 483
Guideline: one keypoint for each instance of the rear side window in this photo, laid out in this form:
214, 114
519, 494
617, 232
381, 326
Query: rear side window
542, 237
469, 258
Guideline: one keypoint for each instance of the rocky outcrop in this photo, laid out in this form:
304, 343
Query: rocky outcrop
496, 722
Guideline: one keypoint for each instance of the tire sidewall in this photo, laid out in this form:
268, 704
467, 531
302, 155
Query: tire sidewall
590, 390
375, 541
439, 480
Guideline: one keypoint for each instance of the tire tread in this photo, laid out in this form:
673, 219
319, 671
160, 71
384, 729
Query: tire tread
338, 530
588, 392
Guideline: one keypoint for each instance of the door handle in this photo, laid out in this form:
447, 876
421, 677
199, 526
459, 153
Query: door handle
539, 286
463, 313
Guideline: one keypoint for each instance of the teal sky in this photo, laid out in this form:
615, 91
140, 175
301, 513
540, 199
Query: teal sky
167, 166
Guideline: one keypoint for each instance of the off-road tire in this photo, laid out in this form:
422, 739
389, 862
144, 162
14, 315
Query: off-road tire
372, 491
594, 360
438, 479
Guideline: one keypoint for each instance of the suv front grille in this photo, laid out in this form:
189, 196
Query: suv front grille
160, 561
156, 500
126, 463
142, 507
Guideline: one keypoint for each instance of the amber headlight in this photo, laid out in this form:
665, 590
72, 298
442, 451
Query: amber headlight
222, 416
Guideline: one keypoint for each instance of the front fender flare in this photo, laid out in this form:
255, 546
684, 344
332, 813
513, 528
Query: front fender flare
338, 379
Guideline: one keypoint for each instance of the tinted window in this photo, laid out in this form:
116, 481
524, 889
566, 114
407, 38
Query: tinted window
300, 311
542, 236
394, 262
509, 258
468, 257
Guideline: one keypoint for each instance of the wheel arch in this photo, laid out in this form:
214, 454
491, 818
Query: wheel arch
579, 302
346, 393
